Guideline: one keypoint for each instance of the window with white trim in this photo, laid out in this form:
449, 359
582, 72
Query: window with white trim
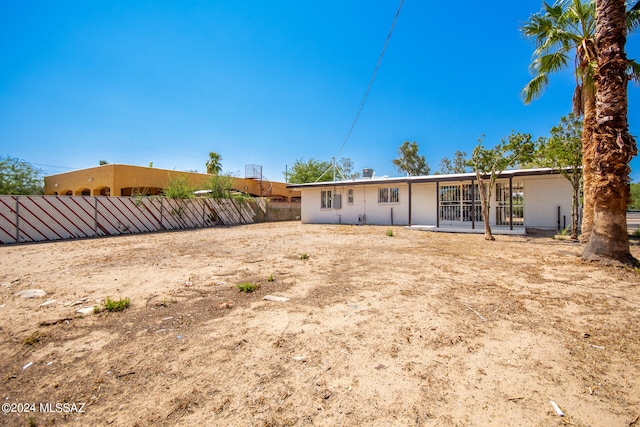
325, 199
350, 196
388, 195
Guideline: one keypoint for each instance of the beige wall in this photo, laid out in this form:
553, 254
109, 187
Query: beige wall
116, 180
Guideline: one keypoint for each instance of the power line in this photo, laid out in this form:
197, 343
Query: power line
373, 77
51, 166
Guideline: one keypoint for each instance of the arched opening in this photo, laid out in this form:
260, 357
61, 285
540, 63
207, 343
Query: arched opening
85, 192
104, 191
67, 193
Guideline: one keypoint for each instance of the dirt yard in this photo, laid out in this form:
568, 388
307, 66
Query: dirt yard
422, 329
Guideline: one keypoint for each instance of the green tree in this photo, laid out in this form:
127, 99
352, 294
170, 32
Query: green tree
409, 161
564, 35
609, 240
310, 171
634, 205
563, 152
489, 163
345, 167
214, 164
103, 162
457, 165
18, 177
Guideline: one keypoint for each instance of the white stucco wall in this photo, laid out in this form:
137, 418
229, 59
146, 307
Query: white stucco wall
543, 195
423, 201
365, 203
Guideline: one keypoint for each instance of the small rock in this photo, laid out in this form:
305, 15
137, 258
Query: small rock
86, 310
47, 302
275, 298
30, 293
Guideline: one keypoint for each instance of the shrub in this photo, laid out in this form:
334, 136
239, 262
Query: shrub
389, 232
220, 186
247, 287
304, 256
116, 305
178, 187
33, 338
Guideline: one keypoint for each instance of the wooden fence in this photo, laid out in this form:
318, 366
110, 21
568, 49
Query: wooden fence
26, 219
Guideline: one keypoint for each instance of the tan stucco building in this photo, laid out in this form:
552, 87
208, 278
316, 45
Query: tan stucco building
125, 180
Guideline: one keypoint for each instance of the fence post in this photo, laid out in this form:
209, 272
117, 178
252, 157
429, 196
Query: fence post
17, 219
95, 217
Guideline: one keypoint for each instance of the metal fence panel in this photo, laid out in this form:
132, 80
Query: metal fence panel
45, 218
76, 214
8, 219
55, 218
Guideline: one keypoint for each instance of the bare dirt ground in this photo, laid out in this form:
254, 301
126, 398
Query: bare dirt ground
422, 329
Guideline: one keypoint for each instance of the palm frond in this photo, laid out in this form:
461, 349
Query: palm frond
537, 29
551, 62
558, 38
633, 71
535, 87
633, 20
562, 31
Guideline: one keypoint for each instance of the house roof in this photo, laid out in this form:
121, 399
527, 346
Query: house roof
425, 178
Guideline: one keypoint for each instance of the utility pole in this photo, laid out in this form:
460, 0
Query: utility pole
333, 163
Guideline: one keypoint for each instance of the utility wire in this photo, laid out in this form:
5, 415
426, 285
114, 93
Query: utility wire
373, 77
52, 166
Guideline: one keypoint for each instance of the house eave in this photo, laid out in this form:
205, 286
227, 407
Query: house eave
424, 179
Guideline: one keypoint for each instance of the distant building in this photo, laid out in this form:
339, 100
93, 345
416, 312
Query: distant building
125, 180
521, 200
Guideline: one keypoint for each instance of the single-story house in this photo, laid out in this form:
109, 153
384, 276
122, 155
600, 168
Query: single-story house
521, 200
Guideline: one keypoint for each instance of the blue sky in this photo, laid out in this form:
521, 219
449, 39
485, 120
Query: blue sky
266, 82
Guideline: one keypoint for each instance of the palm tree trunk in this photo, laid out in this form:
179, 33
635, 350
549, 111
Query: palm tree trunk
614, 146
588, 154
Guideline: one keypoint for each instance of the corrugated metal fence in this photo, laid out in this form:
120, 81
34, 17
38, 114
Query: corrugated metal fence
41, 218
